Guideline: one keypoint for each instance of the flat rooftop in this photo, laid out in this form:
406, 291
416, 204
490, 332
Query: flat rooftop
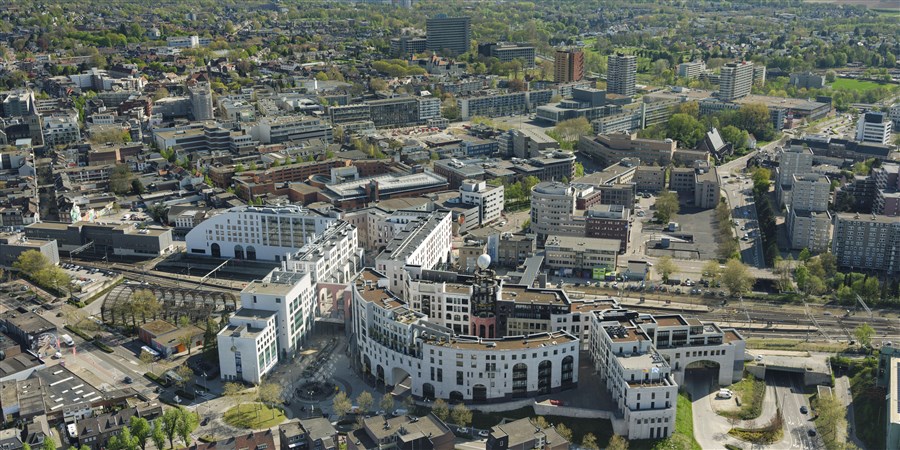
534, 341
670, 321
522, 294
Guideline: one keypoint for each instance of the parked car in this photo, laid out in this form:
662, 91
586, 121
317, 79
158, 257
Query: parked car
555, 402
803, 409
484, 433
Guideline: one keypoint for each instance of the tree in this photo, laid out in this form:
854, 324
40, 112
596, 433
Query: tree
666, 206
120, 179
579, 170
804, 255
169, 421
365, 401
122, 441
686, 130
782, 268
616, 442
158, 435
564, 431
144, 303
736, 277
187, 423
831, 419
665, 267
269, 393
341, 404
140, 429
185, 373
589, 441
232, 389
387, 402
30, 262
48, 444
210, 341
571, 129
761, 177
864, 334
441, 409
137, 187
462, 415
801, 274
711, 270
736, 137
540, 422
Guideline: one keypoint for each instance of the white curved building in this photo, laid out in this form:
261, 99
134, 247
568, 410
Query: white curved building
257, 232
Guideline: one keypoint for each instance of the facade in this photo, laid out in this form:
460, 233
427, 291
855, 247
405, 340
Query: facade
441, 363
275, 130
490, 199
691, 69
332, 257
611, 148
424, 243
448, 33
807, 80
874, 127
809, 229
120, 239
406, 46
580, 254
735, 81
621, 73
866, 242
507, 52
608, 222
552, 203
791, 160
514, 249
202, 102
250, 232
61, 130
14, 244
568, 66
395, 112
706, 188
276, 316
650, 178
361, 192
643, 358
493, 105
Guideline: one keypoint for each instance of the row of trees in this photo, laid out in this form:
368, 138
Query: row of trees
37, 268
728, 244
765, 213
735, 277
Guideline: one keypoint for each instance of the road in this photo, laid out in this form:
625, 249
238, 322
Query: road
789, 394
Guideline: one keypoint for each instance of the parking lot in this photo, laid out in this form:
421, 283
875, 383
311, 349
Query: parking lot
87, 279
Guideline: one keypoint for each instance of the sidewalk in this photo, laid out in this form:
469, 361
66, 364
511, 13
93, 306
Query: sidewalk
842, 390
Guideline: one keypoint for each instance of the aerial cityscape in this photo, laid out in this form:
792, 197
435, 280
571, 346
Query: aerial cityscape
438, 225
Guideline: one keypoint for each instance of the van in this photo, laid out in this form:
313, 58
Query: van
724, 394
67, 340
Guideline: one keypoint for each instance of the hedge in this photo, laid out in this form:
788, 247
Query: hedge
103, 346
78, 332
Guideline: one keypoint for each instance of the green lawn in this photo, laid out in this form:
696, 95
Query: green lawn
683, 439
869, 408
854, 84
751, 391
253, 416
795, 344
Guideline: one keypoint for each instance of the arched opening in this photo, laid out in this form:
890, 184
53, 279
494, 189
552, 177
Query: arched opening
520, 380
568, 369
238, 252
428, 391
367, 365
251, 253
701, 377
401, 381
216, 250
379, 373
479, 393
456, 397
545, 375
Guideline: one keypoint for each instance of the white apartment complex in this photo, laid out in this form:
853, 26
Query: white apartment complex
642, 358
274, 130
250, 232
874, 127
333, 257
552, 204
423, 244
571, 253
247, 346
61, 130
490, 199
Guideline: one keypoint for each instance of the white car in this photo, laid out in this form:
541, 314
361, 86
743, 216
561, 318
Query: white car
724, 394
